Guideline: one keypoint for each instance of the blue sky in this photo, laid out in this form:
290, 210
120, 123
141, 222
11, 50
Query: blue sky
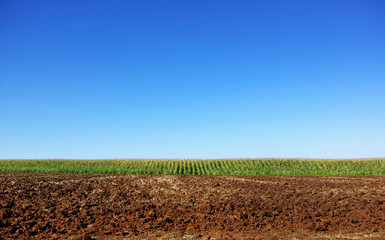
192, 79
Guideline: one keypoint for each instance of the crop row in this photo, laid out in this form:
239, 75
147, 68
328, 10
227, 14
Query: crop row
203, 167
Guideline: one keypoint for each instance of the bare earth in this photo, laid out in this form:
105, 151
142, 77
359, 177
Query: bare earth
96, 206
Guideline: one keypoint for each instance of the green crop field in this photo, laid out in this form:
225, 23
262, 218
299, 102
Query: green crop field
203, 167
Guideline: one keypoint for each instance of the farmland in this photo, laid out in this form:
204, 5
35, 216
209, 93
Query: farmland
109, 206
192, 199
291, 167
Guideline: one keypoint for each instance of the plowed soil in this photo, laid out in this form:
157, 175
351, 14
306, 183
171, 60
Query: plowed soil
91, 206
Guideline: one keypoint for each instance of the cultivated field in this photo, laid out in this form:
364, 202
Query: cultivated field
204, 167
192, 199
101, 206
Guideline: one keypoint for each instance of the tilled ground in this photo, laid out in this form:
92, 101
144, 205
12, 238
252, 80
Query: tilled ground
89, 206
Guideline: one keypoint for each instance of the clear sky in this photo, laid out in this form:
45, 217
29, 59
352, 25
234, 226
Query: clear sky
192, 79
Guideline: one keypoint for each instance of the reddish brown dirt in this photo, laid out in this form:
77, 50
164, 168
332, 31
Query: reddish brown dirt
81, 206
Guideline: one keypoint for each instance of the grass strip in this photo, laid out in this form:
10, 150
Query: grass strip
375, 166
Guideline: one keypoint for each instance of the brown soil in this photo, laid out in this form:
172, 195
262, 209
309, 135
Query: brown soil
91, 206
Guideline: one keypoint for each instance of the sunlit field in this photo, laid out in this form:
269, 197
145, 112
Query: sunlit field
203, 167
